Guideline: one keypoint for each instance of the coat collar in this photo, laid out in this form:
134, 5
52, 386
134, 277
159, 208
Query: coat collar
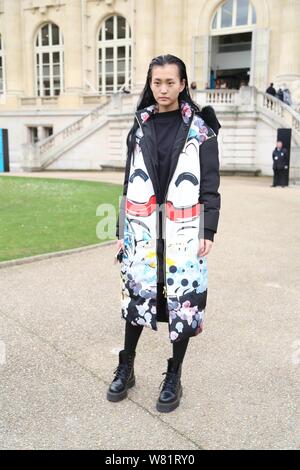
145, 113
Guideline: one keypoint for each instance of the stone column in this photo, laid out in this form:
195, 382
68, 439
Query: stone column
40, 133
72, 55
12, 44
143, 31
289, 57
169, 27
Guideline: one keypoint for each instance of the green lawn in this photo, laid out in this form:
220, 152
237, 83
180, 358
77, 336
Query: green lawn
42, 215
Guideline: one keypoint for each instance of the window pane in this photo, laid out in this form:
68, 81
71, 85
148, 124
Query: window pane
242, 12
121, 65
121, 79
226, 14
56, 83
214, 23
109, 67
129, 62
109, 80
45, 57
37, 58
46, 70
121, 27
56, 92
55, 34
55, 57
109, 52
253, 15
121, 52
100, 54
45, 35
56, 70
109, 30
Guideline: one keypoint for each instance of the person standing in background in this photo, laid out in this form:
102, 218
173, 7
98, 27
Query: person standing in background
280, 165
193, 90
271, 90
287, 97
279, 94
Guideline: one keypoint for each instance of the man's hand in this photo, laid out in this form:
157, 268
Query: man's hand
204, 247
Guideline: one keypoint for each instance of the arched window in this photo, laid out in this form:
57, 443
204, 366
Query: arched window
49, 55
114, 54
234, 14
1, 67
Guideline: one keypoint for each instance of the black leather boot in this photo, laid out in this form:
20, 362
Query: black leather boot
124, 377
171, 393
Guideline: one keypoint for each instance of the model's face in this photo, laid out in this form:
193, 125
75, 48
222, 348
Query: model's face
166, 85
279, 145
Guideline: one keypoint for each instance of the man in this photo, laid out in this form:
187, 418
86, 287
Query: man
280, 165
287, 97
280, 94
271, 90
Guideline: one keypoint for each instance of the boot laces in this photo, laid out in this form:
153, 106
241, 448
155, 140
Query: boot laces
170, 381
122, 371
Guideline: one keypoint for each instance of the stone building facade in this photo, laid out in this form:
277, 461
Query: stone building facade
65, 64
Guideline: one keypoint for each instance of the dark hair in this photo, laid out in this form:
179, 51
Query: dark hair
146, 97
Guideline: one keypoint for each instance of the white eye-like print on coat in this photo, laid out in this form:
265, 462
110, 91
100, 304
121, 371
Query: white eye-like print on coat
183, 191
183, 207
140, 224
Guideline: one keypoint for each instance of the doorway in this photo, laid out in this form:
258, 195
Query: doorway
230, 61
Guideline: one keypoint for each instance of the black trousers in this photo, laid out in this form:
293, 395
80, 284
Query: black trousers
279, 178
133, 332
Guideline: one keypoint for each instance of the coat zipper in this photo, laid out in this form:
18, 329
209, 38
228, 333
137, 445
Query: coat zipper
165, 291
158, 263
164, 257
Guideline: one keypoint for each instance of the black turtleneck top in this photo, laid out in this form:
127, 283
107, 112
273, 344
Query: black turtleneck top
166, 126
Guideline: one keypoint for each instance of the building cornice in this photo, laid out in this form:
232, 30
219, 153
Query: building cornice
43, 6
